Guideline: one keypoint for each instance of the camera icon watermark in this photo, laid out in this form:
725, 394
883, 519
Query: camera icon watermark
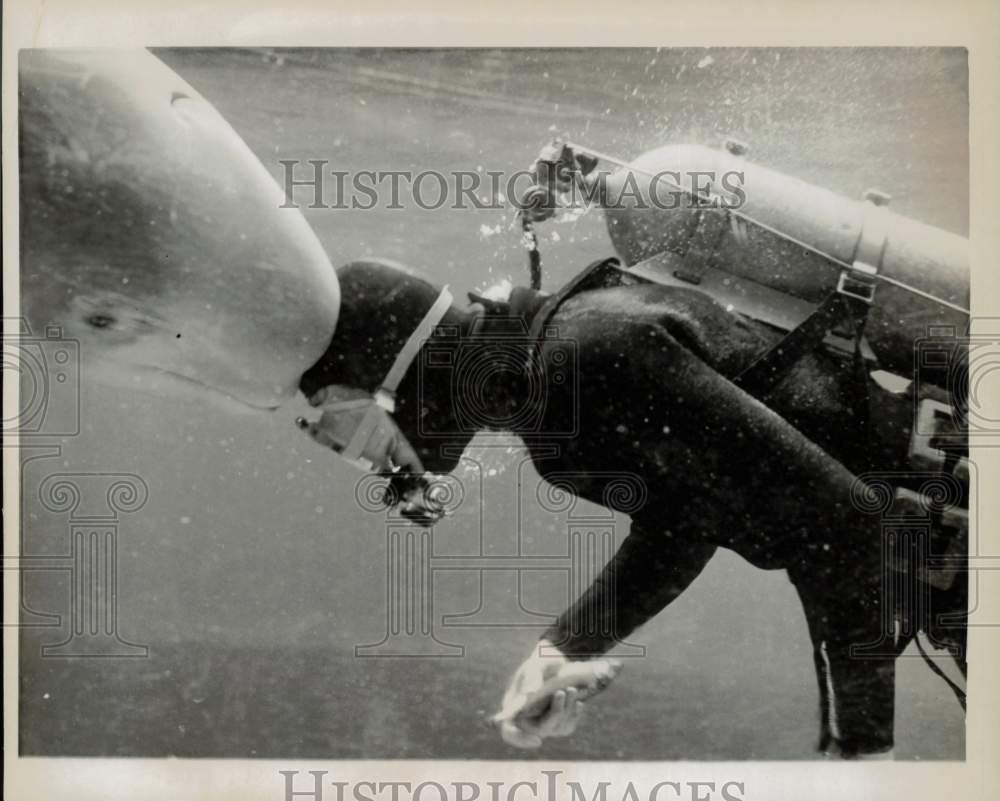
46, 367
496, 381
967, 366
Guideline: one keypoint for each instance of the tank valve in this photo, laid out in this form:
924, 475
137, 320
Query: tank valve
553, 172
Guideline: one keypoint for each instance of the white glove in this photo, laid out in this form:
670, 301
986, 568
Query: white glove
545, 697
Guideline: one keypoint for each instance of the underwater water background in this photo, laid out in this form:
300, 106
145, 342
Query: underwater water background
252, 572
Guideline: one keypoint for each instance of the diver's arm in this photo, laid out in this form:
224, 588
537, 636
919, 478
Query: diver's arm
544, 697
646, 574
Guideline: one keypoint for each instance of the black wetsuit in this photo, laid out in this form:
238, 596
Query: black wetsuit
652, 398
722, 469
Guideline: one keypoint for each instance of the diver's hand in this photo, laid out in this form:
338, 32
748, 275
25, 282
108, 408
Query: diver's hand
545, 697
385, 447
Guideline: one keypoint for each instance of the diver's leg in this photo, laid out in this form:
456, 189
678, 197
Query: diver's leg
842, 599
799, 509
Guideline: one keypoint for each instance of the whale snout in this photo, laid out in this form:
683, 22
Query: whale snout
152, 234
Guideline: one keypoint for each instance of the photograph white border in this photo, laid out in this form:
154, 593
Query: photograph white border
973, 24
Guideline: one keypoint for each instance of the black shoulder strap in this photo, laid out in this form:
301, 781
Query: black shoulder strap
761, 376
525, 303
537, 330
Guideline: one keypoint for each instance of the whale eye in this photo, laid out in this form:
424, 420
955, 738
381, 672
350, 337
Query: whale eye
121, 318
100, 320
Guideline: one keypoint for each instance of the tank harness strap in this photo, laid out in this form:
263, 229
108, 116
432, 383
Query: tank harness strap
768, 370
847, 307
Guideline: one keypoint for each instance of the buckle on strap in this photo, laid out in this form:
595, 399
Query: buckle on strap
385, 399
859, 282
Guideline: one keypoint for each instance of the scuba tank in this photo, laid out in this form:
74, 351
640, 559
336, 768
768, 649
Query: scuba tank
774, 246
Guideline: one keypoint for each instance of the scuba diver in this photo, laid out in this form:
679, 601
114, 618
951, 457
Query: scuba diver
746, 435
720, 469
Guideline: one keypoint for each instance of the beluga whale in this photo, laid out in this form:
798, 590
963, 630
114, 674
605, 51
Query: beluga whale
152, 235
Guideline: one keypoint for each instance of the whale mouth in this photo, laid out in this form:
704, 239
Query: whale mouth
219, 393
255, 406
193, 388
